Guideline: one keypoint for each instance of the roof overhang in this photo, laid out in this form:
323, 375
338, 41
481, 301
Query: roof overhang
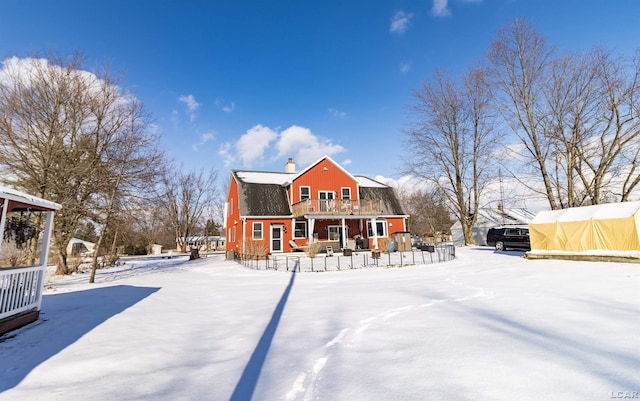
22, 201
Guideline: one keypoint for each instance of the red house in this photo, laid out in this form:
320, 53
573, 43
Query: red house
323, 203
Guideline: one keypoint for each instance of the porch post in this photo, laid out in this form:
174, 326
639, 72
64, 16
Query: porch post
344, 235
46, 238
312, 222
244, 235
3, 218
374, 229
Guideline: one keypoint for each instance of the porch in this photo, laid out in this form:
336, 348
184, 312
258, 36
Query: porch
26, 222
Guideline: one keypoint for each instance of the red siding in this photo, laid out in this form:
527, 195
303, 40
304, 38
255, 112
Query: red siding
324, 176
233, 218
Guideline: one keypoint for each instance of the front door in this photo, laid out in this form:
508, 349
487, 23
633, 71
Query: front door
276, 239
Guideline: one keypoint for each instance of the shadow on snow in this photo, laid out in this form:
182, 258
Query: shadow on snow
63, 320
247, 383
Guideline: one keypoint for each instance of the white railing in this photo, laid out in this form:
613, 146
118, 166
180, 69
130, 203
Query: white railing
20, 289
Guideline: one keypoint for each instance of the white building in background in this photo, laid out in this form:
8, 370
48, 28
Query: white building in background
78, 247
204, 243
489, 218
156, 249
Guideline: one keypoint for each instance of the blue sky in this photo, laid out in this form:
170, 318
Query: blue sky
247, 84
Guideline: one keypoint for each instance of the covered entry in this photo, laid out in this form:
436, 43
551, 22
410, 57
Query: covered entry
26, 222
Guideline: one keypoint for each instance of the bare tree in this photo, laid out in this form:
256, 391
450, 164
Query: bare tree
427, 213
58, 125
132, 163
609, 151
574, 106
519, 63
186, 196
453, 140
575, 115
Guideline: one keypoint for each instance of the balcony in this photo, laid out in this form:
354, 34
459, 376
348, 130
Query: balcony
337, 207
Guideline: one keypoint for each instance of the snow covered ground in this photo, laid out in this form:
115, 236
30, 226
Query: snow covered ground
487, 326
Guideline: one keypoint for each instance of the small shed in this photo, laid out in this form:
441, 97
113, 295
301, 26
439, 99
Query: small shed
607, 229
25, 223
402, 241
78, 247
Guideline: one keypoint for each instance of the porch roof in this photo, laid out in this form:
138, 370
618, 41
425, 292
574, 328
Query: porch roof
21, 200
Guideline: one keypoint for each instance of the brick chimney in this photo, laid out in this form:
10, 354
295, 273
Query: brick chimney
290, 166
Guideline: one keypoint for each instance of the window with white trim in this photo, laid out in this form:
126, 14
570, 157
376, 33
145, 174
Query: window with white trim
305, 193
381, 228
257, 230
333, 233
346, 193
300, 229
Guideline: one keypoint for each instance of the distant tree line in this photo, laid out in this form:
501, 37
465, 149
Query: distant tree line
76, 137
572, 120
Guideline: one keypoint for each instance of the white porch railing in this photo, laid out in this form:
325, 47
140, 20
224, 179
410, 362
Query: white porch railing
20, 289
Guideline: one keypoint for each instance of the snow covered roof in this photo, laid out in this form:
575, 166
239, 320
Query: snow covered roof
21, 197
495, 217
278, 178
598, 212
263, 177
368, 182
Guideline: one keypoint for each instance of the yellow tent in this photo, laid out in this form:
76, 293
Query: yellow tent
609, 227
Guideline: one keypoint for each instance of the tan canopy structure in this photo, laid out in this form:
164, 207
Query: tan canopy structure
612, 228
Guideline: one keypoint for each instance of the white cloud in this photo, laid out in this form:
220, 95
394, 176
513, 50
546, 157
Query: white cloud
204, 138
229, 108
225, 153
305, 147
405, 68
192, 105
260, 144
406, 184
190, 101
400, 22
440, 8
337, 113
252, 145
346, 162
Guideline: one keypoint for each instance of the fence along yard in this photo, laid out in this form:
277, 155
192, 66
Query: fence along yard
443, 252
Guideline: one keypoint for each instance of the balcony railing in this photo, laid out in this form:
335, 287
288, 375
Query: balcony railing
334, 207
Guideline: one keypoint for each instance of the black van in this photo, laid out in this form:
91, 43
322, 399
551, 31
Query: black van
504, 238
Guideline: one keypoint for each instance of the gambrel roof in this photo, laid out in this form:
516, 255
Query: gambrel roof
389, 201
262, 193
